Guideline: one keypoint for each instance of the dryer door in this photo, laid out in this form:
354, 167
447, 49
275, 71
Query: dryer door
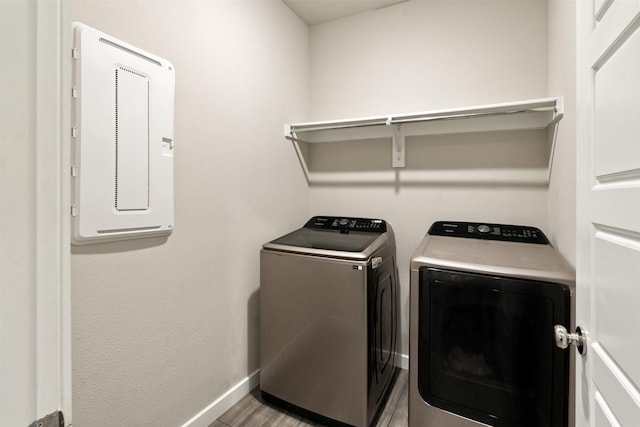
486, 349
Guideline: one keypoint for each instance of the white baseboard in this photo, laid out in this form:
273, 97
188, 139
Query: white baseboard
215, 409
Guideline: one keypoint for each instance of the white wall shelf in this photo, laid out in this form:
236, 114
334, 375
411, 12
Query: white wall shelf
523, 115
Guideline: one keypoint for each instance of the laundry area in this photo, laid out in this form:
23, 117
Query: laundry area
319, 181
246, 70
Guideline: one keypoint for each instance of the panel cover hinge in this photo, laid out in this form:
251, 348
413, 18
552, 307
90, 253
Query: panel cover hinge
55, 419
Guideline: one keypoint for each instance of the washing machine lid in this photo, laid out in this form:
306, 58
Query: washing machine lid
515, 251
343, 237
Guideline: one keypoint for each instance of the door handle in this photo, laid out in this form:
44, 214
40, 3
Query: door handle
564, 339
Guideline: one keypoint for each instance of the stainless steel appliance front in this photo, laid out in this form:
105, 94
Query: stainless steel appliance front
484, 303
328, 313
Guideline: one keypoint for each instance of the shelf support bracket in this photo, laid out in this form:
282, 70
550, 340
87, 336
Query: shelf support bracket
398, 155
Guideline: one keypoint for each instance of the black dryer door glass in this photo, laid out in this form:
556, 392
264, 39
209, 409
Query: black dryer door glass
486, 348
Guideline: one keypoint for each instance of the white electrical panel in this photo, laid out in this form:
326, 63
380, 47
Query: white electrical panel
122, 136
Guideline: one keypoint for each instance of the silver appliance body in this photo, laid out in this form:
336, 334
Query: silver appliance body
484, 299
328, 319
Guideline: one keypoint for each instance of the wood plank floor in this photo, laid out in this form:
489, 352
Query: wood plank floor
253, 411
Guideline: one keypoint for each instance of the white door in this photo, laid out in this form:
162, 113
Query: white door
608, 259
34, 242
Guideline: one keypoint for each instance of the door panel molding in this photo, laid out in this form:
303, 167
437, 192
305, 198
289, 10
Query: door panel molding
608, 214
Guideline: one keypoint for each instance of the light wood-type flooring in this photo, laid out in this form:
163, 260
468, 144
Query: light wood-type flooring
253, 411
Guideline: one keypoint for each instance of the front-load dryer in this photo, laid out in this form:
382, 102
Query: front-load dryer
329, 319
484, 303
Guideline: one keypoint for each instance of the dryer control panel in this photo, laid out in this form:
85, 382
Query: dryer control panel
369, 225
503, 232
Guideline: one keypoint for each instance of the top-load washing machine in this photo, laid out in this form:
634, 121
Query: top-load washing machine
485, 302
329, 319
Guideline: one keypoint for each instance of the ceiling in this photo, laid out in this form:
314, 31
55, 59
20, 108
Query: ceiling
318, 11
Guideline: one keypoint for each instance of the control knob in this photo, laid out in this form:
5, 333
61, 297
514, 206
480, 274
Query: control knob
484, 229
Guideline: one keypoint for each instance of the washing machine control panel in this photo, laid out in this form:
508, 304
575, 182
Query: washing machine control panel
504, 232
369, 225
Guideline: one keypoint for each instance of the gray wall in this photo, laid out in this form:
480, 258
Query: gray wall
562, 80
428, 55
163, 327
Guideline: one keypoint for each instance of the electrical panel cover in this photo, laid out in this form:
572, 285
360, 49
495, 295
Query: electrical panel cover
122, 140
